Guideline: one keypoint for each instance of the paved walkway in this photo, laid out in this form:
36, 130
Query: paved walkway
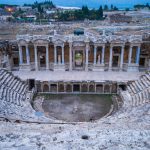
78, 76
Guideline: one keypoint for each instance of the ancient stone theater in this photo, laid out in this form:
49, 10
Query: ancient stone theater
75, 86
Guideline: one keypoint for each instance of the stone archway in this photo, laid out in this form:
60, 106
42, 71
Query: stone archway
91, 88
84, 87
68, 88
107, 88
53, 88
99, 88
61, 87
45, 88
114, 88
42, 56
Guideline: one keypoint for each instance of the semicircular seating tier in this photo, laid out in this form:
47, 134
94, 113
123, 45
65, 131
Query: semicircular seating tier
137, 92
15, 99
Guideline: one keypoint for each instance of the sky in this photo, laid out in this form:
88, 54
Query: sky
79, 3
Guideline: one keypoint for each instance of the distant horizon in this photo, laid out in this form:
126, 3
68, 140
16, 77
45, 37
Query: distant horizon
79, 3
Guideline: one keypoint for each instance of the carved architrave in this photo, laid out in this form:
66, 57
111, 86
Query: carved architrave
138, 41
101, 40
22, 42
41, 42
78, 44
117, 42
58, 42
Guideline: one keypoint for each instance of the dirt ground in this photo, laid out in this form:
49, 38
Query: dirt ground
75, 108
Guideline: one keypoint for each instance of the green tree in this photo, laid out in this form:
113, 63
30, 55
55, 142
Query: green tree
85, 11
100, 12
105, 7
127, 9
40, 9
112, 7
147, 5
115, 8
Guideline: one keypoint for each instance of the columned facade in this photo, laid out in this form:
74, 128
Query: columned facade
99, 63
62, 55
87, 56
27, 55
55, 54
20, 55
24, 57
122, 57
133, 61
110, 57
103, 54
95, 54
70, 56
36, 58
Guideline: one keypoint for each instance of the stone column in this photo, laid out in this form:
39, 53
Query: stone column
36, 58
110, 88
110, 57
80, 87
27, 55
103, 55
138, 55
65, 87
103, 88
70, 56
57, 87
130, 55
95, 54
87, 57
95, 87
20, 55
55, 54
47, 58
62, 55
72, 87
122, 57
88, 87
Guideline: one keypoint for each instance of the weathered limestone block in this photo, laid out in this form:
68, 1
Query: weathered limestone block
133, 67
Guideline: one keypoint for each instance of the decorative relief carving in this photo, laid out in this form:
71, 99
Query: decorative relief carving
78, 44
58, 42
41, 42
100, 40
22, 42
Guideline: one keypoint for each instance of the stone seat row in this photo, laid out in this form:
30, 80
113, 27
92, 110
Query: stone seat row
137, 92
12, 90
7, 76
13, 111
11, 96
141, 98
9, 80
15, 99
139, 85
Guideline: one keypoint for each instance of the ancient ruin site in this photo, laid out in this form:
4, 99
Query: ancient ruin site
76, 85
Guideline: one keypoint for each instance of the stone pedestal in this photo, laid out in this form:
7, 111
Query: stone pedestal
98, 67
25, 67
59, 67
133, 68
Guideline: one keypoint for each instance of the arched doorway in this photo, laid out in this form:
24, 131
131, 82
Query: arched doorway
45, 88
78, 59
42, 57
